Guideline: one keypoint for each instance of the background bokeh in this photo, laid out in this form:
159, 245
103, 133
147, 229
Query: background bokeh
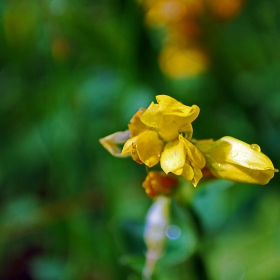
74, 71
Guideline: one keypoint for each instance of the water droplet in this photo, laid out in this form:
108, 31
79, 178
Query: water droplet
173, 232
218, 166
234, 154
256, 147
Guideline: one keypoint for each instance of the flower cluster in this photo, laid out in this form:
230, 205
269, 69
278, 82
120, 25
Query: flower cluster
183, 54
162, 134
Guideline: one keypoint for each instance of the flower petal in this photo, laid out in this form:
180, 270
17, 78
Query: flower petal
130, 147
173, 157
197, 176
110, 143
149, 147
136, 126
152, 117
188, 172
242, 174
194, 155
170, 117
171, 106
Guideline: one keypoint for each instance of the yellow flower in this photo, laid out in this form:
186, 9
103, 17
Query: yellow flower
157, 137
162, 134
232, 159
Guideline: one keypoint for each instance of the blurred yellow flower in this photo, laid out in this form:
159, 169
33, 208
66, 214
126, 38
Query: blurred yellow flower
184, 53
176, 62
235, 160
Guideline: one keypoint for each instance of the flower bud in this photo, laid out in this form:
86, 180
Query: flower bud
235, 160
158, 183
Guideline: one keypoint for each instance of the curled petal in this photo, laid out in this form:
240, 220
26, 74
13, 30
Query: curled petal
111, 142
169, 117
173, 157
171, 106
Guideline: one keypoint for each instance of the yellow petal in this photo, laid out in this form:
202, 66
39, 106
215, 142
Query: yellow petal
111, 142
197, 176
193, 154
128, 146
187, 129
171, 125
188, 172
242, 174
170, 117
149, 147
136, 126
171, 106
173, 157
152, 117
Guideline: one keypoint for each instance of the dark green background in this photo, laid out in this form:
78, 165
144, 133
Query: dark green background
72, 72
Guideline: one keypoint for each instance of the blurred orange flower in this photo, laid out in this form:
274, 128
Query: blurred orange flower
158, 183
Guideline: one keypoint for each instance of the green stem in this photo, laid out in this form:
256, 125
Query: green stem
199, 263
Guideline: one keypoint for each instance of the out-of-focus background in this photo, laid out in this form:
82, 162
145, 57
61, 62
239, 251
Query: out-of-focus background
72, 72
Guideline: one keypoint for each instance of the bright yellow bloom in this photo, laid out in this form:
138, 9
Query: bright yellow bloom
160, 139
162, 134
232, 159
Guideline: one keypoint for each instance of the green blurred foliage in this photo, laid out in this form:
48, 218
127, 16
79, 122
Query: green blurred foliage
72, 72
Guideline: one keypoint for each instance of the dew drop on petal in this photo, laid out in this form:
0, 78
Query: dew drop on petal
256, 147
218, 166
173, 232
